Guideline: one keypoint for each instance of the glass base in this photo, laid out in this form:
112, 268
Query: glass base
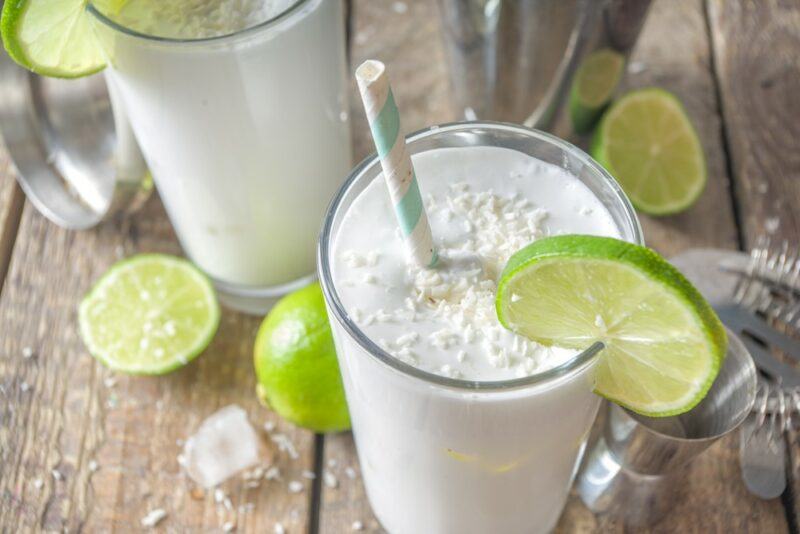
256, 300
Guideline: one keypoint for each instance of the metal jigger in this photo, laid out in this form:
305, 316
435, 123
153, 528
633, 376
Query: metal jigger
635, 469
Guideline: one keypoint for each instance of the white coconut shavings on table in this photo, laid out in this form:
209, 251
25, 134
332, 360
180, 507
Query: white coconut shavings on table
153, 518
285, 445
273, 473
330, 479
224, 445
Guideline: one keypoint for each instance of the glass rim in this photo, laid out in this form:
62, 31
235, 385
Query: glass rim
265, 24
576, 363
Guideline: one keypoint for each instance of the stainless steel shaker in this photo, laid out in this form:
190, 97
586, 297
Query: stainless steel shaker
516, 60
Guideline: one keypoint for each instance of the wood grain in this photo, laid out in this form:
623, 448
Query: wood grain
756, 46
59, 413
11, 201
673, 53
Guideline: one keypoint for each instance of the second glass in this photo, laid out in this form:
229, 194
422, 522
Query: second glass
247, 138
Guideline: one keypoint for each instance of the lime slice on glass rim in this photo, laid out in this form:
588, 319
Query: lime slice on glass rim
594, 85
664, 345
53, 37
149, 314
646, 141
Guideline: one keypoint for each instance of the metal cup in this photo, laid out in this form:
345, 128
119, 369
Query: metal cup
635, 469
78, 161
515, 60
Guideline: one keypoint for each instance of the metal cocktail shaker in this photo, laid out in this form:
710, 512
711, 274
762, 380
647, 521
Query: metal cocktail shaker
516, 60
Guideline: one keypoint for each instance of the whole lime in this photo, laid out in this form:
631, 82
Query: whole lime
296, 366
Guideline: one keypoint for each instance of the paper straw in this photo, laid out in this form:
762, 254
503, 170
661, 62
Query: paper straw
384, 121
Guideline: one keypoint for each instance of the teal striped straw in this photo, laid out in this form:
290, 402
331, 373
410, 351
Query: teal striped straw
384, 122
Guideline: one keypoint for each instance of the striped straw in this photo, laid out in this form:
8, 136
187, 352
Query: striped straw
384, 121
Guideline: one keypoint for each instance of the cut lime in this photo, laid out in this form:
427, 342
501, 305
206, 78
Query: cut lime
594, 85
149, 314
52, 37
663, 342
648, 143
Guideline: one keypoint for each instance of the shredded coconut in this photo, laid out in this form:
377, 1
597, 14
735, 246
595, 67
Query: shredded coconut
153, 518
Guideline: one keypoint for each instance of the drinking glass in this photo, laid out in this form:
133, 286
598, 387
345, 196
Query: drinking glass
246, 136
448, 455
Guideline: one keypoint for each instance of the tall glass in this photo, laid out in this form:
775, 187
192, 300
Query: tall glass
447, 455
247, 138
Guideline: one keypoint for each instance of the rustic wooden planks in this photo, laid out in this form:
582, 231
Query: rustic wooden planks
11, 201
756, 48
59, 413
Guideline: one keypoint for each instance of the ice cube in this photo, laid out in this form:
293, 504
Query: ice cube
224, 444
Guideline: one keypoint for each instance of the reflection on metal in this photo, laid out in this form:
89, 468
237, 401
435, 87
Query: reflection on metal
515, 60
636, 469
76, 157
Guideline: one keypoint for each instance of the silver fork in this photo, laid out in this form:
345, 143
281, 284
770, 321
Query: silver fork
767, 294
767, 297
762, 447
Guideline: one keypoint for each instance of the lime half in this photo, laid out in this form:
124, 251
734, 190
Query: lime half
149, 314
51, 37
648, 143
594, 85
663, 343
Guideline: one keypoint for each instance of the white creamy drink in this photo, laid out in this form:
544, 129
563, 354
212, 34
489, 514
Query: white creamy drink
450, 460
240, 109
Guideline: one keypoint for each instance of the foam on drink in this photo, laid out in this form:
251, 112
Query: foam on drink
194, 19
484, 204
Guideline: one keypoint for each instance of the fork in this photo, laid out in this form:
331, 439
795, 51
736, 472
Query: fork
767, 297
768, 289
762, 449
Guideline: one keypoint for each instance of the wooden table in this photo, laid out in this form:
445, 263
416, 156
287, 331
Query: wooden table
113, 440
